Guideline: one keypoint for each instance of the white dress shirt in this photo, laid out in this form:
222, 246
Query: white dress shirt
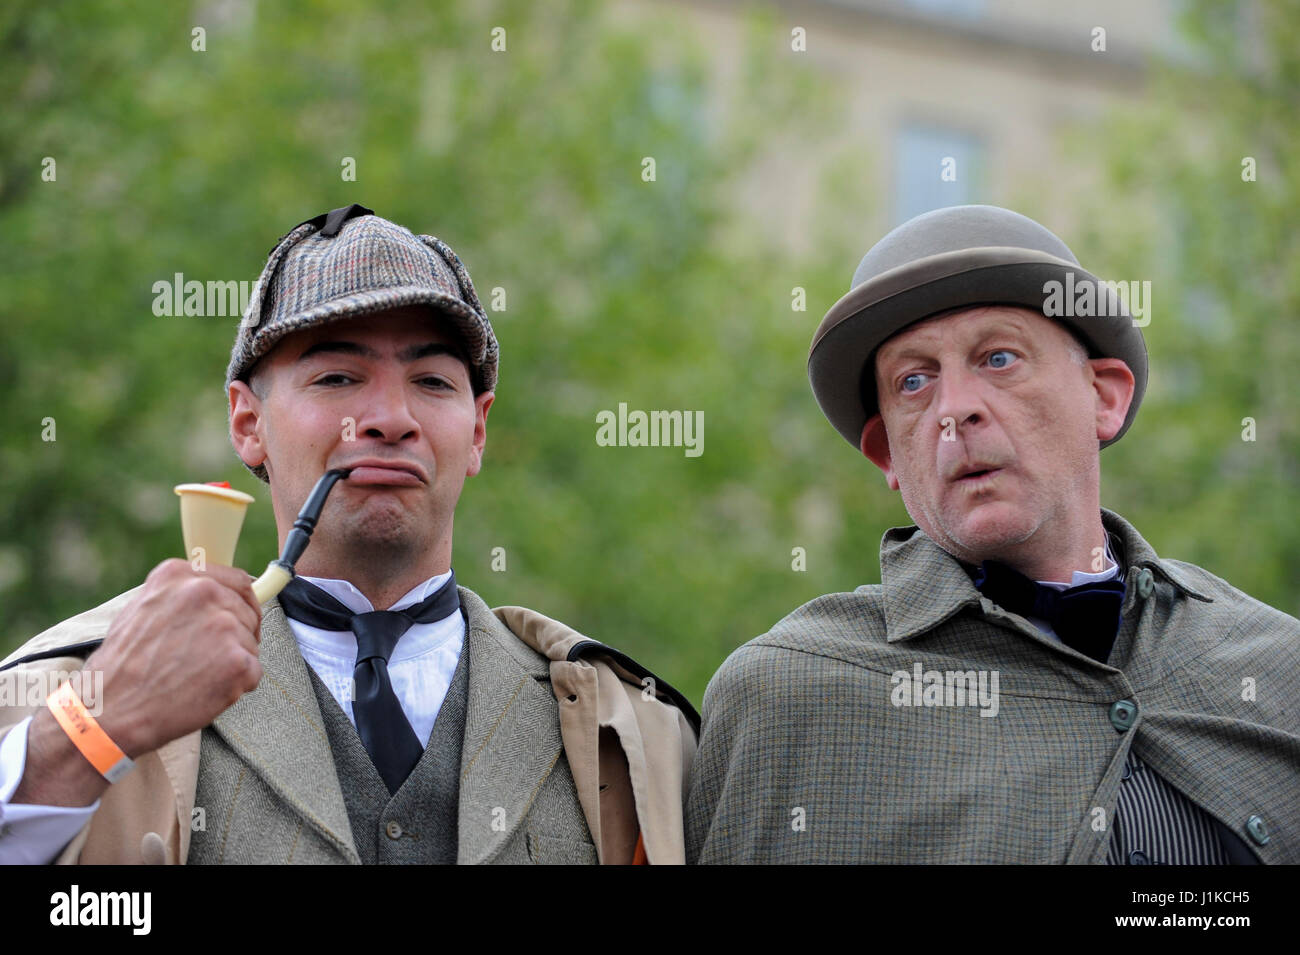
420, 668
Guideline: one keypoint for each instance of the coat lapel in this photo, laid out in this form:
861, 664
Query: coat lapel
512, 734
278, 731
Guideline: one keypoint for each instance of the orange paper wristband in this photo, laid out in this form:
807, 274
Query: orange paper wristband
87, 735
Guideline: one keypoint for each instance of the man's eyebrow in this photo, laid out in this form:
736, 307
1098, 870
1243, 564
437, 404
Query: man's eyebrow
1011, 326
347, 348
908, 352
408, 354
416, 352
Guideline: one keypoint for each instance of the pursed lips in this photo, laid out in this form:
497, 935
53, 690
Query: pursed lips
974, 473
396, 473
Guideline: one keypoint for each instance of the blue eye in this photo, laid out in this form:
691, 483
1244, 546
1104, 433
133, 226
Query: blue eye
917, 378
993, 358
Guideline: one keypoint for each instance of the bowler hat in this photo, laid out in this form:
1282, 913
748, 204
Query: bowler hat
961, 256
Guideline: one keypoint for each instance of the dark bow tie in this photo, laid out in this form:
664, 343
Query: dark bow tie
382, 725
308, 604
1086, 617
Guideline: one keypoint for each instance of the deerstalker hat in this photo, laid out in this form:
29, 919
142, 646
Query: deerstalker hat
961, 256
351, 262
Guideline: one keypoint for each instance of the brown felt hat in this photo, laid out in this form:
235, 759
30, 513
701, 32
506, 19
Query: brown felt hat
962, 256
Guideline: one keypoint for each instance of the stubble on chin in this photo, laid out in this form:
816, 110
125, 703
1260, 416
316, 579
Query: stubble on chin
949, 524
382, 532
976, 544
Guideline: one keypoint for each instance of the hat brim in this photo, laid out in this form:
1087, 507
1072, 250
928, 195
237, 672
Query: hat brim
863, 319
357, 305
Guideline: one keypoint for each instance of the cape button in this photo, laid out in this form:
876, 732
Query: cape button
1146, 582
1123, 714
1257, 830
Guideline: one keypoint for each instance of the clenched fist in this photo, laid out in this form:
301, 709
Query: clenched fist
181, 652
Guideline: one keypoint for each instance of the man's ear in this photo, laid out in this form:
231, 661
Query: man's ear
875, 445
1114, 384
481, 405
245, 424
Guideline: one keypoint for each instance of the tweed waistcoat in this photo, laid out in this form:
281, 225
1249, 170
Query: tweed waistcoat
417, 824
268, 789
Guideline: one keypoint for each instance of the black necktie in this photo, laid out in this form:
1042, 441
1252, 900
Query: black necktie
1086, 617
383, 727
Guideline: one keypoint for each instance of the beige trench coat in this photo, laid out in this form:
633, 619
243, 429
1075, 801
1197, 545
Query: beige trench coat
628, 746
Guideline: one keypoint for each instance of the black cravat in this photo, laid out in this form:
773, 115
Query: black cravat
1086, 617
383, 727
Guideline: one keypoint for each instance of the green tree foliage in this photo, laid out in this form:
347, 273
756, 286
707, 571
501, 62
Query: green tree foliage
529, 162
669, 294
1223, 256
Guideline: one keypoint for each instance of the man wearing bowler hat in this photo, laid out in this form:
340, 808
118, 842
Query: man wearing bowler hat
1029, 682
375, 711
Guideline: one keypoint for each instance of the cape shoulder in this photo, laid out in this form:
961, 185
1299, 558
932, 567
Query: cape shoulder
823, 623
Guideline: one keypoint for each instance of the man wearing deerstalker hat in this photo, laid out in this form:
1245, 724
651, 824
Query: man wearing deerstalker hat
1029, 682
375, 711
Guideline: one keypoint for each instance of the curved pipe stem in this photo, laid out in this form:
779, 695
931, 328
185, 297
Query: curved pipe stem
280, 571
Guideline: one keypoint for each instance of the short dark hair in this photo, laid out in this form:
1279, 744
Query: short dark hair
259, 381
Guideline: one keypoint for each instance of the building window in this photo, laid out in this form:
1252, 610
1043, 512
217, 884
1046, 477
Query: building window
966, 9
935, 167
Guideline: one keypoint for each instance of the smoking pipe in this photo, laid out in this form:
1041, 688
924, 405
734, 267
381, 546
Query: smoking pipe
213, 514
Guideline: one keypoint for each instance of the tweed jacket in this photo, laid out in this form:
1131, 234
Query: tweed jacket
844, 735
540, 781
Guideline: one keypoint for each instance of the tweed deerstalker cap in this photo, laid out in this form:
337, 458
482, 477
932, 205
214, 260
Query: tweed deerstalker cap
351, 262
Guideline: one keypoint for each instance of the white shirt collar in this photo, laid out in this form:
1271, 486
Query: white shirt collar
357, 602
1079, 577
